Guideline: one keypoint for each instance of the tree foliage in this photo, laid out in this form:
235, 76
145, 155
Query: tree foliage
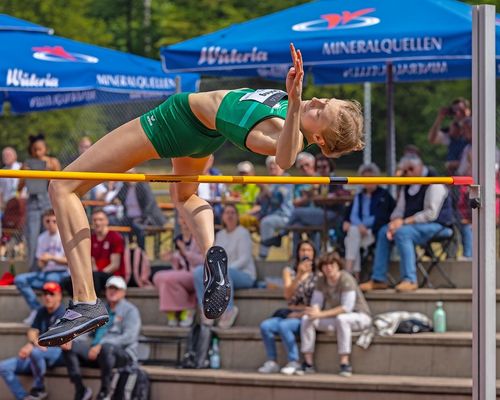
125, 25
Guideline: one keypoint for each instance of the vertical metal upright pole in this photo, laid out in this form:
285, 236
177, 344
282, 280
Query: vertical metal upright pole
178, 84
484, 255
390, 144
367, 109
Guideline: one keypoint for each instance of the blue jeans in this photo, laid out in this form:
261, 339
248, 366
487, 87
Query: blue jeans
466, 232
405, 238
238, 279
288, 329
25, 283
37, 364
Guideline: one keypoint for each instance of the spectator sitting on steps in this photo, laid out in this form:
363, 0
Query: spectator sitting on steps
33, 358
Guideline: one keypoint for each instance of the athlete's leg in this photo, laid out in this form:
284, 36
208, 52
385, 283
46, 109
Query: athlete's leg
200, 219
196, 211
118, 151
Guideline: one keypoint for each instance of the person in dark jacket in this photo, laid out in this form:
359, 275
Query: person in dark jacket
421, 212
140, 209
369, 211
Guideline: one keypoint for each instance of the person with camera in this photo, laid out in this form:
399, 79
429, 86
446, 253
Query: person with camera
299, 283
453, 136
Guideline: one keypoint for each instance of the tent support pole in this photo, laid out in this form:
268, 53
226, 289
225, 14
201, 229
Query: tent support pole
367, 109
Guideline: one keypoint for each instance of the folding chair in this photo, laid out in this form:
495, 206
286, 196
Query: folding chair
367, 255
443, 238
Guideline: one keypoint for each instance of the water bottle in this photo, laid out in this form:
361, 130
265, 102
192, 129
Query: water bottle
439, 318
215, 354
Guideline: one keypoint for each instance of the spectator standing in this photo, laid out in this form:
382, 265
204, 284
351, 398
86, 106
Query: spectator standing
237, 242
369, 211
452, 137
8, 186
299, 283
113, 345
51, 261
33, 358
107, 253
421, 212
176, 286
84, 144
275, 201
337, 305
37, 191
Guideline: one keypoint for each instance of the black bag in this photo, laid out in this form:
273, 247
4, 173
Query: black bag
282, 313
130, 384
197, 347
413, 326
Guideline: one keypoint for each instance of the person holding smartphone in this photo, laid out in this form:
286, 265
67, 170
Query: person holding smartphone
299, 283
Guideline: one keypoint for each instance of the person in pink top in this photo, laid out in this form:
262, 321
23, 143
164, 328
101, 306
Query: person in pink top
176, 286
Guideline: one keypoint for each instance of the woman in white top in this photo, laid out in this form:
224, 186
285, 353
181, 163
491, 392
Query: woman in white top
236, 240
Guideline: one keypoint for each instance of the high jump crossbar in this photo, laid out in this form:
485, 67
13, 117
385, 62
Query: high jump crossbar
322, 180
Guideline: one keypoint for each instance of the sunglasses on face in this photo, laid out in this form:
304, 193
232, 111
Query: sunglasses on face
51, 294
408, 169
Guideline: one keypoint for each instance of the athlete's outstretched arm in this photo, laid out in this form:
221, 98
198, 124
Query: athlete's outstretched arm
291, 140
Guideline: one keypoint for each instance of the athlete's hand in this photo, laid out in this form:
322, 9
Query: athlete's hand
295, 76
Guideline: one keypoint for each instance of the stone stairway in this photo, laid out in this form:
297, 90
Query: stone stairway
422, 366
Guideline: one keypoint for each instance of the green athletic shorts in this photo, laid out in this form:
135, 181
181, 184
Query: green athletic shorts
175, 131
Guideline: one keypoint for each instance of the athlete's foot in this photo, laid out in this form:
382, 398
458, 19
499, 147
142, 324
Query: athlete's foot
77, 320
217, 286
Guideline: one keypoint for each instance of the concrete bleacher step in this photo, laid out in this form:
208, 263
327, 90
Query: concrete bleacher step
242, 348
243, 385
460, 272
255, 305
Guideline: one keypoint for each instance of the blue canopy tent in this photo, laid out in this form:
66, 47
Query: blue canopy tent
40, 71
342, 42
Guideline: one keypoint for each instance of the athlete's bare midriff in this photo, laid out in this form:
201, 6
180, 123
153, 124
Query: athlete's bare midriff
204, 106
262, 139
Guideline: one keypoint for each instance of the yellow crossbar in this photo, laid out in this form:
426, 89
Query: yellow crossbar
325, 180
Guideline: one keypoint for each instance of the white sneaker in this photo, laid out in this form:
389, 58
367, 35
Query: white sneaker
30, 318
228, 318
186, 318
269, 367
292, 368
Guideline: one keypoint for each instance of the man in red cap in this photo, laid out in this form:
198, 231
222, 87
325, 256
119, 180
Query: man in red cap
32, 358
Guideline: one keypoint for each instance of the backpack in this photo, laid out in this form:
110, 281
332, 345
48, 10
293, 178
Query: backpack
197, 347
137, 268
130, 384
413, 326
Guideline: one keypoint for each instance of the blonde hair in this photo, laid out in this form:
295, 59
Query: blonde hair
346, 134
